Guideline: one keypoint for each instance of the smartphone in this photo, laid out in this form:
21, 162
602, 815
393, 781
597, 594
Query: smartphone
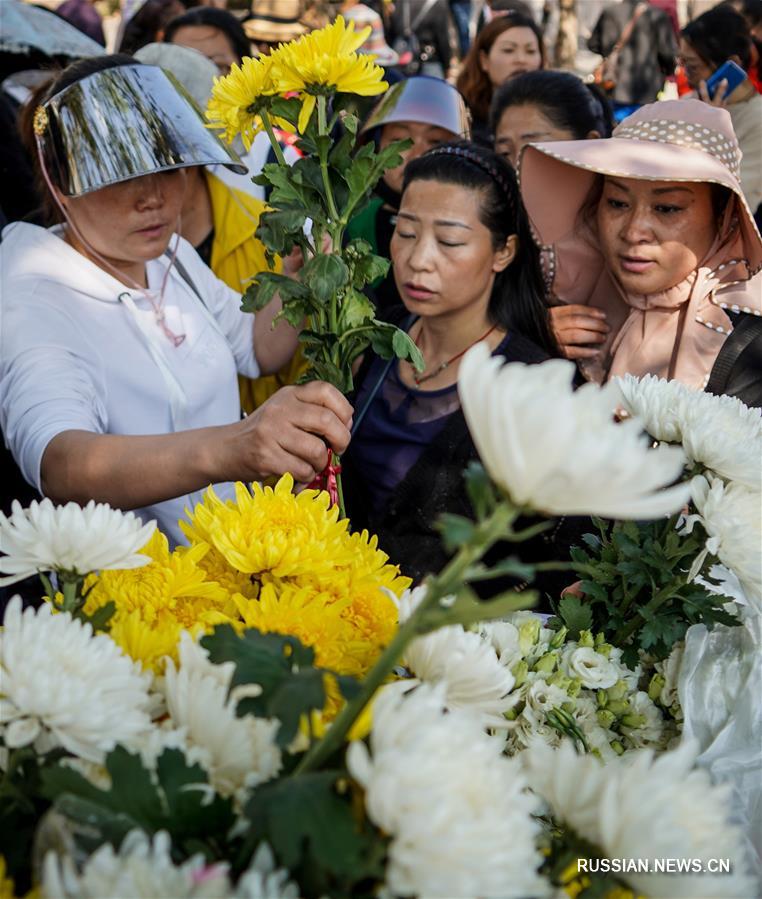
729, 71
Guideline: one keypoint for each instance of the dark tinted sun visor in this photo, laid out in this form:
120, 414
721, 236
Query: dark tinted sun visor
122, 123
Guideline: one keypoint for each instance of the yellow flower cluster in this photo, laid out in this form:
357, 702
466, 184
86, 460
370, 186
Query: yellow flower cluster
155, 603
275, 560
322, 62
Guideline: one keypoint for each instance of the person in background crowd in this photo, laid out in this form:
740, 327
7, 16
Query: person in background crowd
430, 21
144, 23
751, 10
460, 10
427, 112
508, 46
83, 15
214, 32
118, 366
546, 105
653, 248
647, 58
223, 40
219, 221
273, 22
363, 17
467, 271
705, 44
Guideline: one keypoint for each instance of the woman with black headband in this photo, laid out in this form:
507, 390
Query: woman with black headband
467, 271
119, 346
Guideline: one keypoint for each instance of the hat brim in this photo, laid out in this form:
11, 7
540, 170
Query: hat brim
124, 123
273, 32
554, 196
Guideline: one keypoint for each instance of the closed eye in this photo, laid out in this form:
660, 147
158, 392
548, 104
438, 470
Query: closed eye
616, 204
667, 210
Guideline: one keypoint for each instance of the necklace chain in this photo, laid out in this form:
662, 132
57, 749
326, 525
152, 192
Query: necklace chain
443, 365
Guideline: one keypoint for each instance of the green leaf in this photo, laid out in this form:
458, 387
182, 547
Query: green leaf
264, 287
456, 530
468, 609
286, 108
510, 567
351, 123
291, 685
405, 348
575, 614
177, 799
356, 309
480, 489
281, 230
325, 275
370, 269
309, 823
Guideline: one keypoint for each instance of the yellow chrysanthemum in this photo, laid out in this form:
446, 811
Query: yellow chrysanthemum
6, 884
326, 61
232, 107
155, 603
272, 531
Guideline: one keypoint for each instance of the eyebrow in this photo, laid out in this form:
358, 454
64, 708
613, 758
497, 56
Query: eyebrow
443, 222
657, 190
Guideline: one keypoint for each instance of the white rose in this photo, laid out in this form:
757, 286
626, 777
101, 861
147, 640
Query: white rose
594, 670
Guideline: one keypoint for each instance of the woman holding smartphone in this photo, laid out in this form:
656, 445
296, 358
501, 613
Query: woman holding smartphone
706, 44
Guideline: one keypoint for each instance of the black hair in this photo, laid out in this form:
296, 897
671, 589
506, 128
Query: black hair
517, 300
751, 10
212, 17
562, 97
59, 81
718, 34
146, 26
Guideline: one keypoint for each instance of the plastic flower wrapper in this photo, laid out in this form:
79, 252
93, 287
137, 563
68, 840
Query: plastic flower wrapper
719, 684
63, 686
644, 807
589, 463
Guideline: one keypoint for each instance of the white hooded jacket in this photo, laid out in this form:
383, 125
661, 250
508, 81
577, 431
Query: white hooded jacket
79, 350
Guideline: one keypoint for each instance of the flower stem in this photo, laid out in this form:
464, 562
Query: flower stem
265, 116
322, 130
336, 462
447, 583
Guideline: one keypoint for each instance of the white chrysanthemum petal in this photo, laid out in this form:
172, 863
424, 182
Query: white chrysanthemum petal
719, 432
240, 752
69, 538
638, 807
262, 880
436, 782
142, 869
732, 517
80, 687
589, 464
468, 667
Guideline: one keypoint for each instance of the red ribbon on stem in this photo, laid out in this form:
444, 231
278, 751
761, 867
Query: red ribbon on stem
328, 479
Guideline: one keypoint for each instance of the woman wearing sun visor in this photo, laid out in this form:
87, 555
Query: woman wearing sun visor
120, 348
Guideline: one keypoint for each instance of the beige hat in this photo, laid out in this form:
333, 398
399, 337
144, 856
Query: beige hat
275, 21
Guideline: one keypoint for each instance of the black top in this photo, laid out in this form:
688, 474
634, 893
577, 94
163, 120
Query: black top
405, 525
433, 31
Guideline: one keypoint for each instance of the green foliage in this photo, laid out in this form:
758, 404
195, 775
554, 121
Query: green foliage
311, 825
290, 685
177, 798
576, 614
327, 186
635, 581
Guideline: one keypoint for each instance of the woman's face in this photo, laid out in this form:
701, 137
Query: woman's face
696, 69
654, 233
514, 51
443, 258
130, 223
526, 124
423, 136
213, 43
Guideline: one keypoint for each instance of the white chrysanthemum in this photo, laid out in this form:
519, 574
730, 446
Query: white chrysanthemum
591, 668
719, 432
559, 451
641, 807
237, 752
70, 538
732, 517
457, 810
468, 667
63, 685
142, 869
262, 880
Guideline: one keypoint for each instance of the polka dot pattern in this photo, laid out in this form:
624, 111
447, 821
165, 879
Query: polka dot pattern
685, 134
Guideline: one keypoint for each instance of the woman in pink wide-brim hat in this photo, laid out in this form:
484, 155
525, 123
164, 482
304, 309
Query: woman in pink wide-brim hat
652, 254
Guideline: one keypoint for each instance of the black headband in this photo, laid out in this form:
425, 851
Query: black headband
484, 164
